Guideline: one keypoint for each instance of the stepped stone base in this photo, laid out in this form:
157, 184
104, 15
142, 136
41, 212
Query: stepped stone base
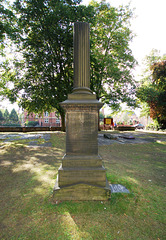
81, 192
68, 176
70, 161
81, 177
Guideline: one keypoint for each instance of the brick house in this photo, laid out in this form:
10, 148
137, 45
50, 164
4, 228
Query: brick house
44, 120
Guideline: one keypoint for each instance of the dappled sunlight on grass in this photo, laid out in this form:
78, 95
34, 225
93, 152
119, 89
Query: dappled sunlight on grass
43, 173
5, 163
132, 180
161, 142
23, 167
47, 178
59, 150
70, 227
28, 212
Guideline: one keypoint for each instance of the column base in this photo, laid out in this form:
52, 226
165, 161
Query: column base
81, 192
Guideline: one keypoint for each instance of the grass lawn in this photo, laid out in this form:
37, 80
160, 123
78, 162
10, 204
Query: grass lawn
27, 177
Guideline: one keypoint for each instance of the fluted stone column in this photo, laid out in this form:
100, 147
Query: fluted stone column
81, 56
81, 175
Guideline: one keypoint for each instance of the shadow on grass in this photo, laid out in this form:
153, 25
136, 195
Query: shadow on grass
27, 179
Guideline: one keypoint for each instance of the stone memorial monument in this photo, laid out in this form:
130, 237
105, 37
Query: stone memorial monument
81, 175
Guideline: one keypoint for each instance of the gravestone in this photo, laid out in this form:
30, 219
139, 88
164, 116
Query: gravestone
81, 175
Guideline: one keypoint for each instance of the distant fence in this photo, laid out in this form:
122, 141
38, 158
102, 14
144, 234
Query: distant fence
29, 129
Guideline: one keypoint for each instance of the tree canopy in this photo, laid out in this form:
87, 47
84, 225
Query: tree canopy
153, 88
42, 73
111, 57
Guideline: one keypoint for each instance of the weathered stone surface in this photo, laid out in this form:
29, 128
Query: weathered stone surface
118, 188
81, 176
81, 161
95, 176
81, 192
81, 135
80, 96
81, 56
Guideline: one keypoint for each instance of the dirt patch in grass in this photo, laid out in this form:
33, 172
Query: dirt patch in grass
27, 176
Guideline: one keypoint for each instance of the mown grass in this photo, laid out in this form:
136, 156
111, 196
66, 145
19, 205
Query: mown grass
28, 212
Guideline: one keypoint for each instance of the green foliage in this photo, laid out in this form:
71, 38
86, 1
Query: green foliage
11, 124
6, 114
6, 24
101, 115
109, 116
1, 115
13, 115
124, 116
111, 57
145, 110
44, 39
159, 74
32, 123
153, 88
153, 126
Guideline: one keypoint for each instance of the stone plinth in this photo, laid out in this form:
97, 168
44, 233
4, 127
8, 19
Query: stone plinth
81, 175
81, 192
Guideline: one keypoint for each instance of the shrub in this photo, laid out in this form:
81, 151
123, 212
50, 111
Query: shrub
153, 126
32, 123
11, 125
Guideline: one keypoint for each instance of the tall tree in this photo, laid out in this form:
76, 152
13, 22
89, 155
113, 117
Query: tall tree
13, 115
45, 72
8, 34
6, 23
44, 38
6, 114
153, 89
111, 57
1, 115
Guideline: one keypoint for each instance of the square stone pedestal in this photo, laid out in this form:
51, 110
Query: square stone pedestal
81, 175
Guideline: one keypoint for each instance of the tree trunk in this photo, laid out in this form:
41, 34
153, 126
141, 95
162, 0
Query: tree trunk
99, 120
62, 113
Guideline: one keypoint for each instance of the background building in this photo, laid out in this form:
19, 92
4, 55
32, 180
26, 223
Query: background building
45, 120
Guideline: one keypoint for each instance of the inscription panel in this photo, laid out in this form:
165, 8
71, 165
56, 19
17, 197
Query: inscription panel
81, 133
